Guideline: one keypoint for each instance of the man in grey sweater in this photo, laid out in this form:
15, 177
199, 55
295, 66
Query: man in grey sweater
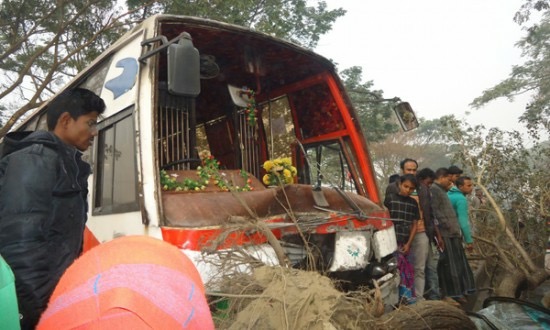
455, 276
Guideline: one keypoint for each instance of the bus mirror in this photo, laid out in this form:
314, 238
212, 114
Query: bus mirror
184, 68
406, 116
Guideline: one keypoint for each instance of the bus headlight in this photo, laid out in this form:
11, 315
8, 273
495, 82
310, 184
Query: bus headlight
392, 264
376, 270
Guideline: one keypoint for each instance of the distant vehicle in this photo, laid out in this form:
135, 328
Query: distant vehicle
176, 86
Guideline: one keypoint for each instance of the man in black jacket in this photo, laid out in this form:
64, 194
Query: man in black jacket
43, 198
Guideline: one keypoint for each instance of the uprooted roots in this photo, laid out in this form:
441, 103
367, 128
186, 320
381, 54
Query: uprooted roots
426, 315
282, 298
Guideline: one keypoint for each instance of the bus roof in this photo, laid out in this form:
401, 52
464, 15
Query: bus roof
273, 61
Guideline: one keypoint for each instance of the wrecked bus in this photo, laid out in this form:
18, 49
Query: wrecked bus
196, 112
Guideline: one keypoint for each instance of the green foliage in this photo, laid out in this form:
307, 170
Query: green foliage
428, 145
434, 130
43, 44
376, 116
43, 32
250, 111
293, 20
531, 77
169, 182
524, 13
208, 173
516, 176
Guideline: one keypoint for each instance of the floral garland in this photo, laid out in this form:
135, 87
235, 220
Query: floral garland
279, 171
169, 183
250, 109
208, 172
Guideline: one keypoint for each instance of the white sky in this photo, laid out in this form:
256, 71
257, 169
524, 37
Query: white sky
436, 54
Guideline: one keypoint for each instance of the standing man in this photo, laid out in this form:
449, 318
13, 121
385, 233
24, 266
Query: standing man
455, 276
404, 209
477, 200
457, 194
426, 233
43, 198
408, 166
455, 172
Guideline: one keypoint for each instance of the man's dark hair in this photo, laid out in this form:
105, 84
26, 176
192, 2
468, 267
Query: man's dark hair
77, 102
460, 181
406, 160
408, 177
453, 169
425, 173
441, 172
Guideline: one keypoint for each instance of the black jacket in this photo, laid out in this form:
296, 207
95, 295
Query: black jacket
443, 212
43, 192
425, 202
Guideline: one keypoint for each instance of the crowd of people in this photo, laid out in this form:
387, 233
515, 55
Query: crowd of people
431, 214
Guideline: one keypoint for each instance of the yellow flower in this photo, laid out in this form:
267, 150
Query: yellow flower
286, 161
279, 170
268, 165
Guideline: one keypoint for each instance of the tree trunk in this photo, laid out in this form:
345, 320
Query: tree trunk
530, 264
426, 315
536, 278
509, 284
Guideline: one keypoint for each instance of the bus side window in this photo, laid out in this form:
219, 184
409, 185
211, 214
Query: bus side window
115, 167
37, 122
42, 123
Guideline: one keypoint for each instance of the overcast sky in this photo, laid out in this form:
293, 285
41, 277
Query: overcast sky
436, 54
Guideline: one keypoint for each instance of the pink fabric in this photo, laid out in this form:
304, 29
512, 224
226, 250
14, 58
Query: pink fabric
131, 283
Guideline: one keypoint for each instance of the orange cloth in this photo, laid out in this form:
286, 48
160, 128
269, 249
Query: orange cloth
90, 241
133, 282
